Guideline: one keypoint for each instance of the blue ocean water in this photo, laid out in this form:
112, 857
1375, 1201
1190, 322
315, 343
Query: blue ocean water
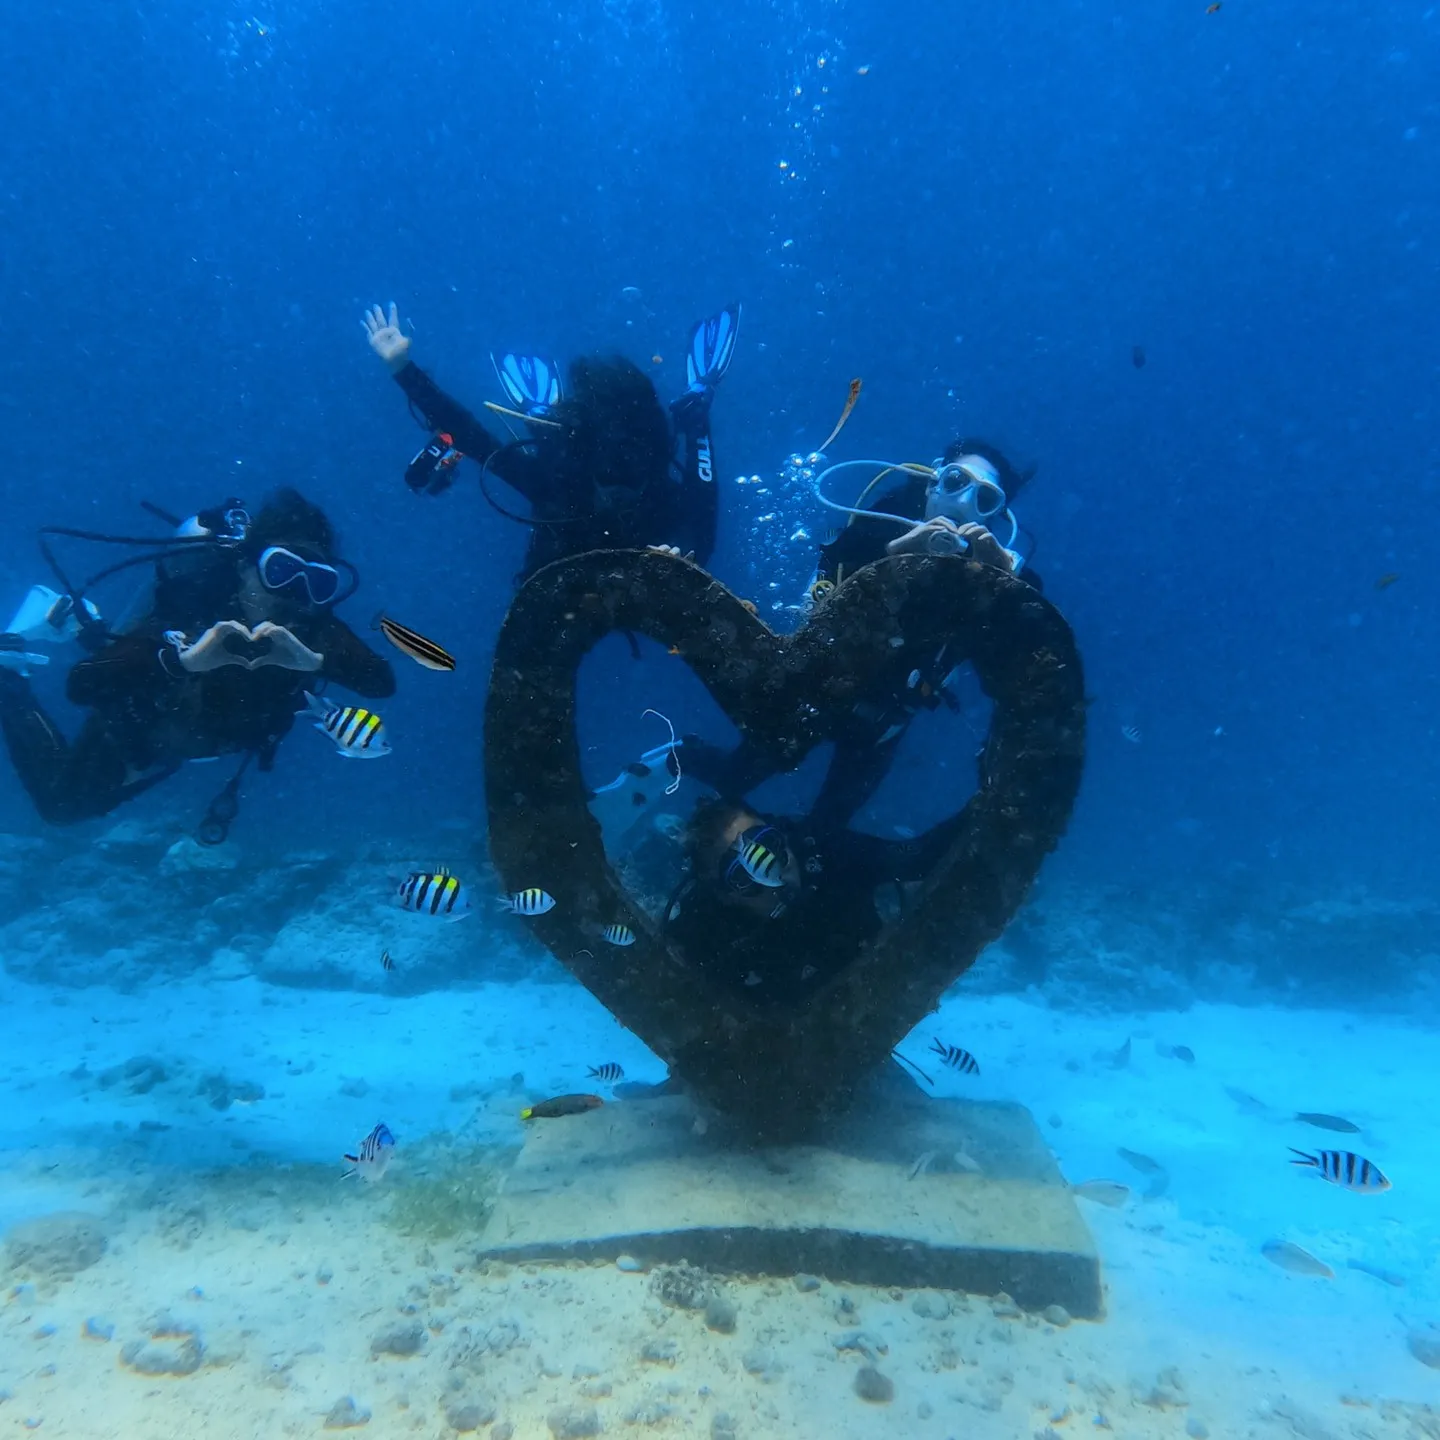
1181, 258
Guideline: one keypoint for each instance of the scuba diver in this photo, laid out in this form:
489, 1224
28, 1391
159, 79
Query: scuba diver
958, 504
238, 624
952, 507
774, 908
604, 468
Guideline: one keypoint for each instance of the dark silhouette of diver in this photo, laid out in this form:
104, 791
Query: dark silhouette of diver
605, 467
240, 623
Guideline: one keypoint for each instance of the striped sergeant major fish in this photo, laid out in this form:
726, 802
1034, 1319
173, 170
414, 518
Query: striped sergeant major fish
1344, 1168
530, 901
434, 892
359, 734
955, 1057
373, 1155
415, 645
758, 860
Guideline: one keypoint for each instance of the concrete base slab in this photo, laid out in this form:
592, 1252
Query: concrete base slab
905, 1189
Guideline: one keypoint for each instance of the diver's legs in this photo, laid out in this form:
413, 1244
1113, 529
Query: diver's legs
66, 782
731, 773
855, 773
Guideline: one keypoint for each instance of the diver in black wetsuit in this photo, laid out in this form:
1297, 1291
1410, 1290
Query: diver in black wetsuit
238, 629
956, 506
779, 937
601, 469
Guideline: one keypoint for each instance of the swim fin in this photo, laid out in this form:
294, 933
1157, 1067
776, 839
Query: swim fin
637, 793
14, 656
531, 382
712, 347
45, 614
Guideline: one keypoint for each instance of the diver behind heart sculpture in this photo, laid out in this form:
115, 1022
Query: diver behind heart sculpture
778, 1064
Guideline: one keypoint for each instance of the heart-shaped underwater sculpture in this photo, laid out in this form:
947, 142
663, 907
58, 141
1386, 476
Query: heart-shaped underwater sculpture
779, 1069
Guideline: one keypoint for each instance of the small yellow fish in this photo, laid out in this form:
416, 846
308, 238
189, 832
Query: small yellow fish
561, 1105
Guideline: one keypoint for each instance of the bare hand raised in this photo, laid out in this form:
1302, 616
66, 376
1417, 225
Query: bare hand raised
385, 337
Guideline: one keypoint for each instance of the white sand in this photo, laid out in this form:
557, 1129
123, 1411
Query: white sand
1258, 1351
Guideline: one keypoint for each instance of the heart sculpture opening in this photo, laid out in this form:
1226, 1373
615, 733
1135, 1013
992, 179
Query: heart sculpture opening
780, 1069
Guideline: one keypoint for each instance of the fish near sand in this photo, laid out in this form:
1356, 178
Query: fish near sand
560, 1105
530, 901
1143, 1163
1327, 1122
1295, 1260
438, 892
1102, 1192
1345, 1169
954, 1057
1247, 1102
370, 1162
1388, 1276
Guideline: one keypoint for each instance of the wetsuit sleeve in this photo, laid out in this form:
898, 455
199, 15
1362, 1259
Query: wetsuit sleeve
863, 541
127, 669
350, 662
443, 412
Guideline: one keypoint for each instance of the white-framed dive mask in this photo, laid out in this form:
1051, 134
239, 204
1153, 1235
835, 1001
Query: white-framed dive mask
967, 490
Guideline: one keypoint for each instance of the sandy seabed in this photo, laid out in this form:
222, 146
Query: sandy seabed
227, 1282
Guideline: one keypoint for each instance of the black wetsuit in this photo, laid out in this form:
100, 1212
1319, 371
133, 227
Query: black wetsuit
821, 927
148, 716
866, 747
676, 509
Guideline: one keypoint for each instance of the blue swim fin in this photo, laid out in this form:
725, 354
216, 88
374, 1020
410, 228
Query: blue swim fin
531, 382
712, 346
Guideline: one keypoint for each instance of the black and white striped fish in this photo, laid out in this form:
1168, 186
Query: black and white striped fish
359, 734
955, 1057
617, 934
415, 645
1344, 1168
373, 1156
437, 892
607, 1074
532, 901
